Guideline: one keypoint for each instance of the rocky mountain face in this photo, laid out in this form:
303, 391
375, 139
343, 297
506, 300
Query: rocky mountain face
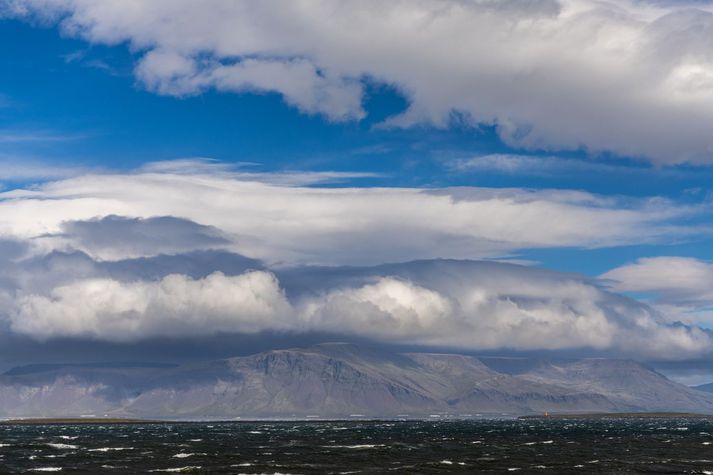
339, 380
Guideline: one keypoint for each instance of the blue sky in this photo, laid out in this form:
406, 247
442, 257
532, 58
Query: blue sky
591, 158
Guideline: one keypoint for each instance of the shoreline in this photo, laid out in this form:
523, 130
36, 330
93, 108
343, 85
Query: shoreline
619, 415
127, 421
79, 421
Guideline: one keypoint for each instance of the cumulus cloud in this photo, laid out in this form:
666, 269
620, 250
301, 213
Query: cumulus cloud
682, 287
387, 309
478, 305
453, 304
174, 306
628, 76
336, 225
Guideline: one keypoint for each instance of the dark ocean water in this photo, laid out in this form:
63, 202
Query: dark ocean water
493, 446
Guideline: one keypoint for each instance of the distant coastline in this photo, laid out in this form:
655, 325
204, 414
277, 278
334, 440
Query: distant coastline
125, 421
79, 420
620, 415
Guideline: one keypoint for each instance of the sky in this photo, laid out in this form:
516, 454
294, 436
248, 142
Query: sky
184, 180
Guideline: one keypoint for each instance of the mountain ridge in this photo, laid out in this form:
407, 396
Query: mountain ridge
340, 379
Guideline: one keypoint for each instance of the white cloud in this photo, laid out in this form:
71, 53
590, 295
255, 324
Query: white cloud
463, 305
545, 166
681, 279
21, 168
175, 306
502, 307
387, 309
483, 316
297, 80
295, 224
241, 171
629, 76
681, 287
191, 166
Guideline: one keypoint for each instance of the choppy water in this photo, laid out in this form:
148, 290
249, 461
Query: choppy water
503, 446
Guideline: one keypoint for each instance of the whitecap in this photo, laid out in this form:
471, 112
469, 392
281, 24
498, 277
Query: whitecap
46, 469
359, 446
446, 462
190, 468
110, 449
62, 446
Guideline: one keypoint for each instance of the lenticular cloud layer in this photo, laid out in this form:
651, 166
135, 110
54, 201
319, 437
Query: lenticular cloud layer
290, 224
102, 259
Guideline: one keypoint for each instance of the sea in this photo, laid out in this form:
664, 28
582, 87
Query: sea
603, 445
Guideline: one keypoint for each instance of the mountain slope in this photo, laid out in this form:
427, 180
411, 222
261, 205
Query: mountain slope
623, 382
337, 380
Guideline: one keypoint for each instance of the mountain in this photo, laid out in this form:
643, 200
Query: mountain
623, 381
338, 380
